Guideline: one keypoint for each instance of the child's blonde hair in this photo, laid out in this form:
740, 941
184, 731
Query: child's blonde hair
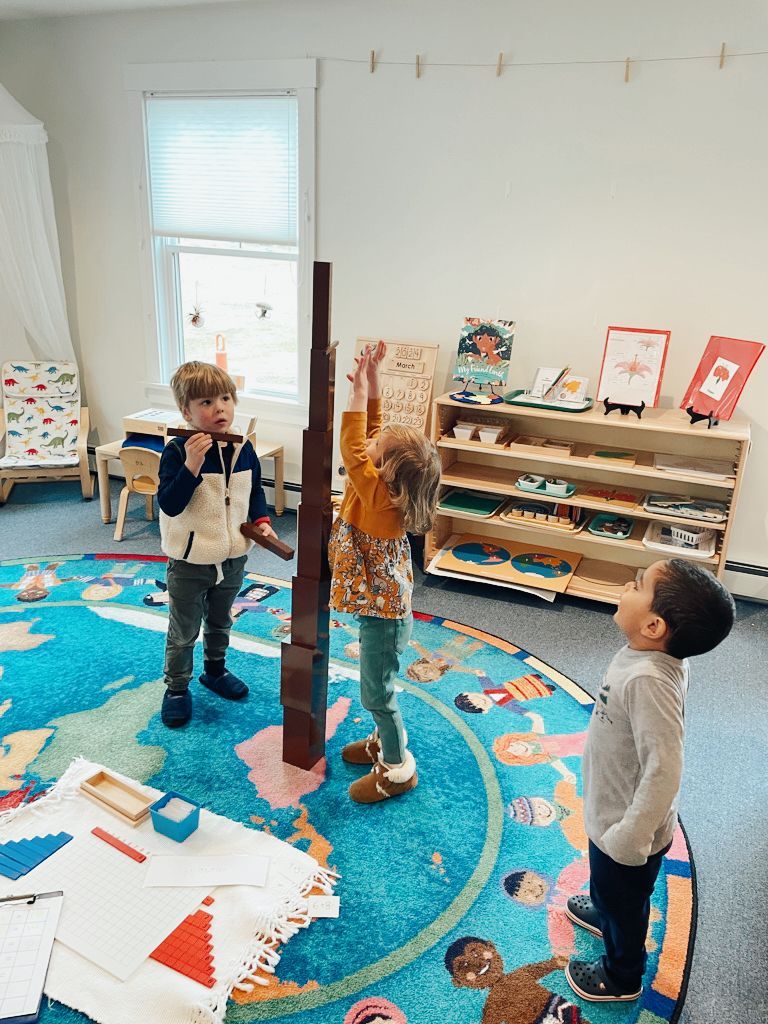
200, 380
410, 468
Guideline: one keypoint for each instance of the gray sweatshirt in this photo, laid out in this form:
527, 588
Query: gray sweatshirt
633, 758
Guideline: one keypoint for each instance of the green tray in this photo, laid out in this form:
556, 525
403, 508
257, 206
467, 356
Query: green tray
471, 502
511, 398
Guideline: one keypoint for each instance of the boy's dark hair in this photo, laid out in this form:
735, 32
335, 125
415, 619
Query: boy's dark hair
464, 703
696, 607
457, 948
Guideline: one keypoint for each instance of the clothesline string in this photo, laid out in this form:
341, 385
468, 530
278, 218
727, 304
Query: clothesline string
538, 64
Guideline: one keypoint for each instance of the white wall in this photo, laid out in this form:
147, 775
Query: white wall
557, 196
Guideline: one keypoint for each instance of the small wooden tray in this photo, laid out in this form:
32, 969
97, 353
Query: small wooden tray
541, 445
126, 800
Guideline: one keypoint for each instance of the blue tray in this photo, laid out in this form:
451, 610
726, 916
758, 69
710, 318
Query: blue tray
596, 526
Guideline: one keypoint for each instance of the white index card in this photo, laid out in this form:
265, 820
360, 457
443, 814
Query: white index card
210, 870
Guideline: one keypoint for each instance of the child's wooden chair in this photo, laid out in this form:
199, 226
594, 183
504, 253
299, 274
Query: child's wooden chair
142, 476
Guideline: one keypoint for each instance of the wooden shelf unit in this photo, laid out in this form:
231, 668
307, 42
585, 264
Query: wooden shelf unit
607, 563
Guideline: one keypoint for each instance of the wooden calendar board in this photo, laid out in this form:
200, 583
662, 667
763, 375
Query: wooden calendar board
407, 377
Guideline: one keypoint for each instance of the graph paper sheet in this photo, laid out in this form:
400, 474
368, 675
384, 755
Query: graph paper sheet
27, 930
108, 916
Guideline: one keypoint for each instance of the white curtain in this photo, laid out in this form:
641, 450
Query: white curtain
30, 265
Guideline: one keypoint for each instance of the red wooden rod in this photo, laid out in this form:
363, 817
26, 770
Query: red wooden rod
118, 844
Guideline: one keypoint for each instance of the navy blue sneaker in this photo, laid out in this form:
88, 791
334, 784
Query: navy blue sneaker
176, 709
226, 685
582, 912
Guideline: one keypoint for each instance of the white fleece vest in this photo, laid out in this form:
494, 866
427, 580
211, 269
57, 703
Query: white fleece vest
207, 532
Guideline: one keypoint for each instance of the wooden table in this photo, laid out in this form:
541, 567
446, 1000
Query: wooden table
105, 453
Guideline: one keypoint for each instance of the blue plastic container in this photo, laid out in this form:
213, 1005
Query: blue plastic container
178, 830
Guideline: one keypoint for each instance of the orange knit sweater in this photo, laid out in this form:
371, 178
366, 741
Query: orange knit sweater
366, 503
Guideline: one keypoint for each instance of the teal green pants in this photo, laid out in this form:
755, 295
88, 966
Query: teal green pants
382, 641
195, 599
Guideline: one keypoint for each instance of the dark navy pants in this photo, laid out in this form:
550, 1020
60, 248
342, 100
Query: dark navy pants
622, 897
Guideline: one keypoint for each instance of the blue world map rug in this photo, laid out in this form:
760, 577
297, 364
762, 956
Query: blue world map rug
451, 897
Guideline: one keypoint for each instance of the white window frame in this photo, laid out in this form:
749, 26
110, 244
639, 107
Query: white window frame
297, 77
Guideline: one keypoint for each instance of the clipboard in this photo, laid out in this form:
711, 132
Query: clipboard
27, 929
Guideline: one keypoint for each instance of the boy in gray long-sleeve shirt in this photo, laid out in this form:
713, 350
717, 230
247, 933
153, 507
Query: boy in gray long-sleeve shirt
633, 763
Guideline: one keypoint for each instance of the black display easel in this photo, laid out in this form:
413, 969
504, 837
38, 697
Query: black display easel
696, 417
623, 407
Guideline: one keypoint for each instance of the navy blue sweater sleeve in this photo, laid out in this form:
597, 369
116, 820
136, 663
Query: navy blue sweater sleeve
257, 507
177, 484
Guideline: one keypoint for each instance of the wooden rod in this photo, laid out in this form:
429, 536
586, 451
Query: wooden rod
277, 547
184, 432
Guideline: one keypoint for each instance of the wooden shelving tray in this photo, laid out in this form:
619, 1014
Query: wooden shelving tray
643, 466
473, 476
670, 421
574, 539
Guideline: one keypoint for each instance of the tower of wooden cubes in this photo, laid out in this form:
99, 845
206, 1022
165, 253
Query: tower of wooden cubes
304, 669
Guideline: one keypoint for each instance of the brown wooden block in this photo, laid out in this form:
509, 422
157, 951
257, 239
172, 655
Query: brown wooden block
321, 305
317, 445
315, 518
183, 432
316, 467
297, 668
310, 612
303, 738
322, 389
313, 548
273, 544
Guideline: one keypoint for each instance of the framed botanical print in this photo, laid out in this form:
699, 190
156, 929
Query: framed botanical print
723, 370
633, 365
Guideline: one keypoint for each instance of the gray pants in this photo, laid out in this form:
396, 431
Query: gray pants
195, 598
382, 641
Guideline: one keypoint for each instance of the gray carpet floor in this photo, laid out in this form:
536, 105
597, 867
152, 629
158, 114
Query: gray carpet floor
724, 804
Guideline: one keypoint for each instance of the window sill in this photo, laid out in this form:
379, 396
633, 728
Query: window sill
268, 410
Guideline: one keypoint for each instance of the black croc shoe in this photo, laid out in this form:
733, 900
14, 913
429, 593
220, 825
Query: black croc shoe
582, 912
226, 685
590, 981
177, 708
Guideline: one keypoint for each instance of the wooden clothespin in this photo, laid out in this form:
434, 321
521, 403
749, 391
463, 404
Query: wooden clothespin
499, 65
373, 61
418, 66
626, 70
722, 56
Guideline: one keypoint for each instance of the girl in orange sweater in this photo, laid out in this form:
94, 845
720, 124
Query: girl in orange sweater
393, 479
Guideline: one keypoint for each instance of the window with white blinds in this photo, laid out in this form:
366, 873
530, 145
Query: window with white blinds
224, 167
231, 242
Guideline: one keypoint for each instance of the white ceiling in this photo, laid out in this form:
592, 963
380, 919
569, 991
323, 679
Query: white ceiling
57, 8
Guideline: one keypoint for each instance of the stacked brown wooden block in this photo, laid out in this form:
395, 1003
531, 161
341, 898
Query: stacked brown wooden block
304, 672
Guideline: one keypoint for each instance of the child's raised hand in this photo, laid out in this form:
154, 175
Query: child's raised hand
196, 447
376, 358
358, 391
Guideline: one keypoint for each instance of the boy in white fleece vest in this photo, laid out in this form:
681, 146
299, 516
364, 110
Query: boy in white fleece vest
207, 490
633, 762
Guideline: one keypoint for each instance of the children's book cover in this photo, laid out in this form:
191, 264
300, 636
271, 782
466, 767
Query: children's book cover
485, 348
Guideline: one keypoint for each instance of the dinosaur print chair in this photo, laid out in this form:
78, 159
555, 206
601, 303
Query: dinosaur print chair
44, 426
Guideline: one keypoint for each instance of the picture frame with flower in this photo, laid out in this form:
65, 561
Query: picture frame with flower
719, 379
633, 365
